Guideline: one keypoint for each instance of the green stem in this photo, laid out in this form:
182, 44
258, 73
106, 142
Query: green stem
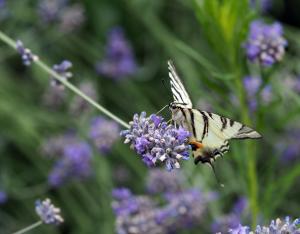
32, 226
250, 155
66, 83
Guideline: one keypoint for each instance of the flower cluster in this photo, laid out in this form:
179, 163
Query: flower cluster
48, 213
119, 60
27, 56
277, 226
253, 86
140, 214
265, 43
62, 70
156, 141
104, 133
68, 17
79, 105
161, 181
73, 159
75, 163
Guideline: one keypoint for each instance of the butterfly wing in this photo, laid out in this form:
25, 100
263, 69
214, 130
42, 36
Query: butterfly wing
180, 95
213, 132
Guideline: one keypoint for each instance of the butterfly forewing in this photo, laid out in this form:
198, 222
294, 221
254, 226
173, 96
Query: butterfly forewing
180, 95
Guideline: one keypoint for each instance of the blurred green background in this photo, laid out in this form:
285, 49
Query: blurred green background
205, 40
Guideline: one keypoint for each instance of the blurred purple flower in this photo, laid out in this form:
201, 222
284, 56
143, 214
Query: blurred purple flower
252, 86
119, 60
72, 18
27, 56
48, 213
293, 83
183, 210
3, 197
290, 145
232, 220
239, 230
140, 214
104, 133
265, 43
62, 70
161, 181
127, 204
54, 97
50, 10
53, 147
2, 3
264, 5
156, 141
75, 163
79, 105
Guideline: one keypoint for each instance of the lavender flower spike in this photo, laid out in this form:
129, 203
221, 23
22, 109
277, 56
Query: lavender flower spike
156, 141
48, 213
265, 43
62, 70
27, 56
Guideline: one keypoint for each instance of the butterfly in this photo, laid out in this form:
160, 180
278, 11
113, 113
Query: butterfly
210, 133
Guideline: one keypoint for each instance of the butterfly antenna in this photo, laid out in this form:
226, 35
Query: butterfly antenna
217, 178
162, 109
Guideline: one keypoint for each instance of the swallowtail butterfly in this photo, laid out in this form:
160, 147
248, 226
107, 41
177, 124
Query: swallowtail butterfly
210, 132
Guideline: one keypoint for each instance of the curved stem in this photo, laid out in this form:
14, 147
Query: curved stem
32, 226
66, 83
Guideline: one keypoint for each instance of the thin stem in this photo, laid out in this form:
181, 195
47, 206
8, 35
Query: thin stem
66, 83
251, 157
32, 226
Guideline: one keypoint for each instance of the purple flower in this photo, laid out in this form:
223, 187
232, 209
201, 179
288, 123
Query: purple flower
48, 213
3, 197
75, 163
127, 204
50, 10
279, 226
27, 56
2, 3
239, 230
289, 146
62, 70
156, 141
252, 86
264, 5
265, 43
53, 147
183, 210
104, 133
121, 194
119, 60
232, 220
80, 105
160, 181
72, 18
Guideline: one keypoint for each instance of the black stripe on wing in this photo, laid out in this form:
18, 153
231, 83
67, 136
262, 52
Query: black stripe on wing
180, 95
